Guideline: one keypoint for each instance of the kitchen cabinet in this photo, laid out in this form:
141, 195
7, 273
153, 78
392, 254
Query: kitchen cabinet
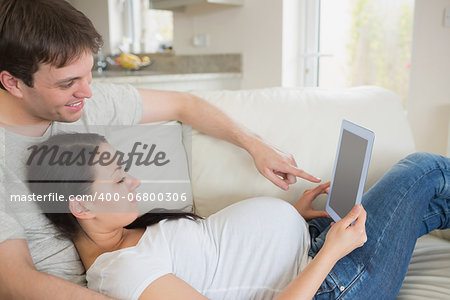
176, 4
177, 82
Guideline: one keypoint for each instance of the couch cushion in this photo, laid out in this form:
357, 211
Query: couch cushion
164, 186
304, 122
428, 274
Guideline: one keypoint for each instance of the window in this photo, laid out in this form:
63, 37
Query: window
146, 30
358, 42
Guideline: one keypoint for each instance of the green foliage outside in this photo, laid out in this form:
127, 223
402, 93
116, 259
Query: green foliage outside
380, 44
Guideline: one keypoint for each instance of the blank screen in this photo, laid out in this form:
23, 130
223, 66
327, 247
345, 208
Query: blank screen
348, 173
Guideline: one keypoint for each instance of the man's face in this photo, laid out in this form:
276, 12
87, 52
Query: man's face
58, 94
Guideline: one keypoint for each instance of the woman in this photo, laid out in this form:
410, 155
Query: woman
255, 249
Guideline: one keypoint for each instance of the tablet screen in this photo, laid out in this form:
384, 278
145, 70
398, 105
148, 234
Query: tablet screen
348, 173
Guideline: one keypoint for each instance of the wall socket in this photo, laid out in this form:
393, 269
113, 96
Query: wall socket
201, 40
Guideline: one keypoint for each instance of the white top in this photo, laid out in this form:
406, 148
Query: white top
249, 250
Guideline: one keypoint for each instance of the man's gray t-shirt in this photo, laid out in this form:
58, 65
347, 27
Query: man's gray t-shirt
109, 105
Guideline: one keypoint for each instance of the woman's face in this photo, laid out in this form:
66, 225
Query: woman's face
114, 193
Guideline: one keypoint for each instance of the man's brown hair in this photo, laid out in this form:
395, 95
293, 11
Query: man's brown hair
33, 32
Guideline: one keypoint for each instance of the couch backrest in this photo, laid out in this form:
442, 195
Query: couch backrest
304, 122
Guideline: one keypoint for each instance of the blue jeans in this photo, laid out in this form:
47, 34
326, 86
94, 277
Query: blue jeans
410, 200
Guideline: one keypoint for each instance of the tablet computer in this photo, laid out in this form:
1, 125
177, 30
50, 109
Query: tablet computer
350, 169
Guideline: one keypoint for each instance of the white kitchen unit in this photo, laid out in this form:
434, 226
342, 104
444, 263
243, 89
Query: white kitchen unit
175, 4
179, 82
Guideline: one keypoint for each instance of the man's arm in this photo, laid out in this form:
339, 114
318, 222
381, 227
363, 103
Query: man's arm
19, 278
205, 117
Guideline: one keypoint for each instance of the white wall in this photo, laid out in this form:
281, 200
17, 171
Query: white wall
97, 12
106, 15
429, 100
254, 30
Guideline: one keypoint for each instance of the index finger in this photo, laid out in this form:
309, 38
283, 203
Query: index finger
302, 174
321, 188
361, 221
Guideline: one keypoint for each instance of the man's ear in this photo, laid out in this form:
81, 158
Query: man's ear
11, 84
79, 210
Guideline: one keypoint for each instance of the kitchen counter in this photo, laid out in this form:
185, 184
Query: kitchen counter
187, 72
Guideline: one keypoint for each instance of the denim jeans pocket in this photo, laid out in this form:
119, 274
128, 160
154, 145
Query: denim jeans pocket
340, 280
327, 286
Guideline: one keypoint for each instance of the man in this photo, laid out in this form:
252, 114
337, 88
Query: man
46, 49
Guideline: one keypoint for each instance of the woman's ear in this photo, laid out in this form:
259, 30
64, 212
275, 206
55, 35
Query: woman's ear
11, 84
79, 210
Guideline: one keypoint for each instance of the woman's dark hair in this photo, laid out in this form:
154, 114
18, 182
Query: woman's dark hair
42, 31
45, 177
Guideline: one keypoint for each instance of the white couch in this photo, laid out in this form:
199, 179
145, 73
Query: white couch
306, 123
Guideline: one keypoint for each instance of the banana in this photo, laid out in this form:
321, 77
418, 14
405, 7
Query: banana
133, 62
130, 61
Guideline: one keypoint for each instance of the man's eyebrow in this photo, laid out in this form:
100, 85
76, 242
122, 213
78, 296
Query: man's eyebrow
67, 79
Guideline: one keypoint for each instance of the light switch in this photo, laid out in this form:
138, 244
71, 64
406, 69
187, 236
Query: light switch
201, 40
447, 17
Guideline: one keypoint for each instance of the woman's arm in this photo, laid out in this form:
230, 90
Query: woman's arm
340, 241
170, 287
306, 284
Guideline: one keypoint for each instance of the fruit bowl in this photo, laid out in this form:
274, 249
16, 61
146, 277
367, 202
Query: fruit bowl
130, 61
